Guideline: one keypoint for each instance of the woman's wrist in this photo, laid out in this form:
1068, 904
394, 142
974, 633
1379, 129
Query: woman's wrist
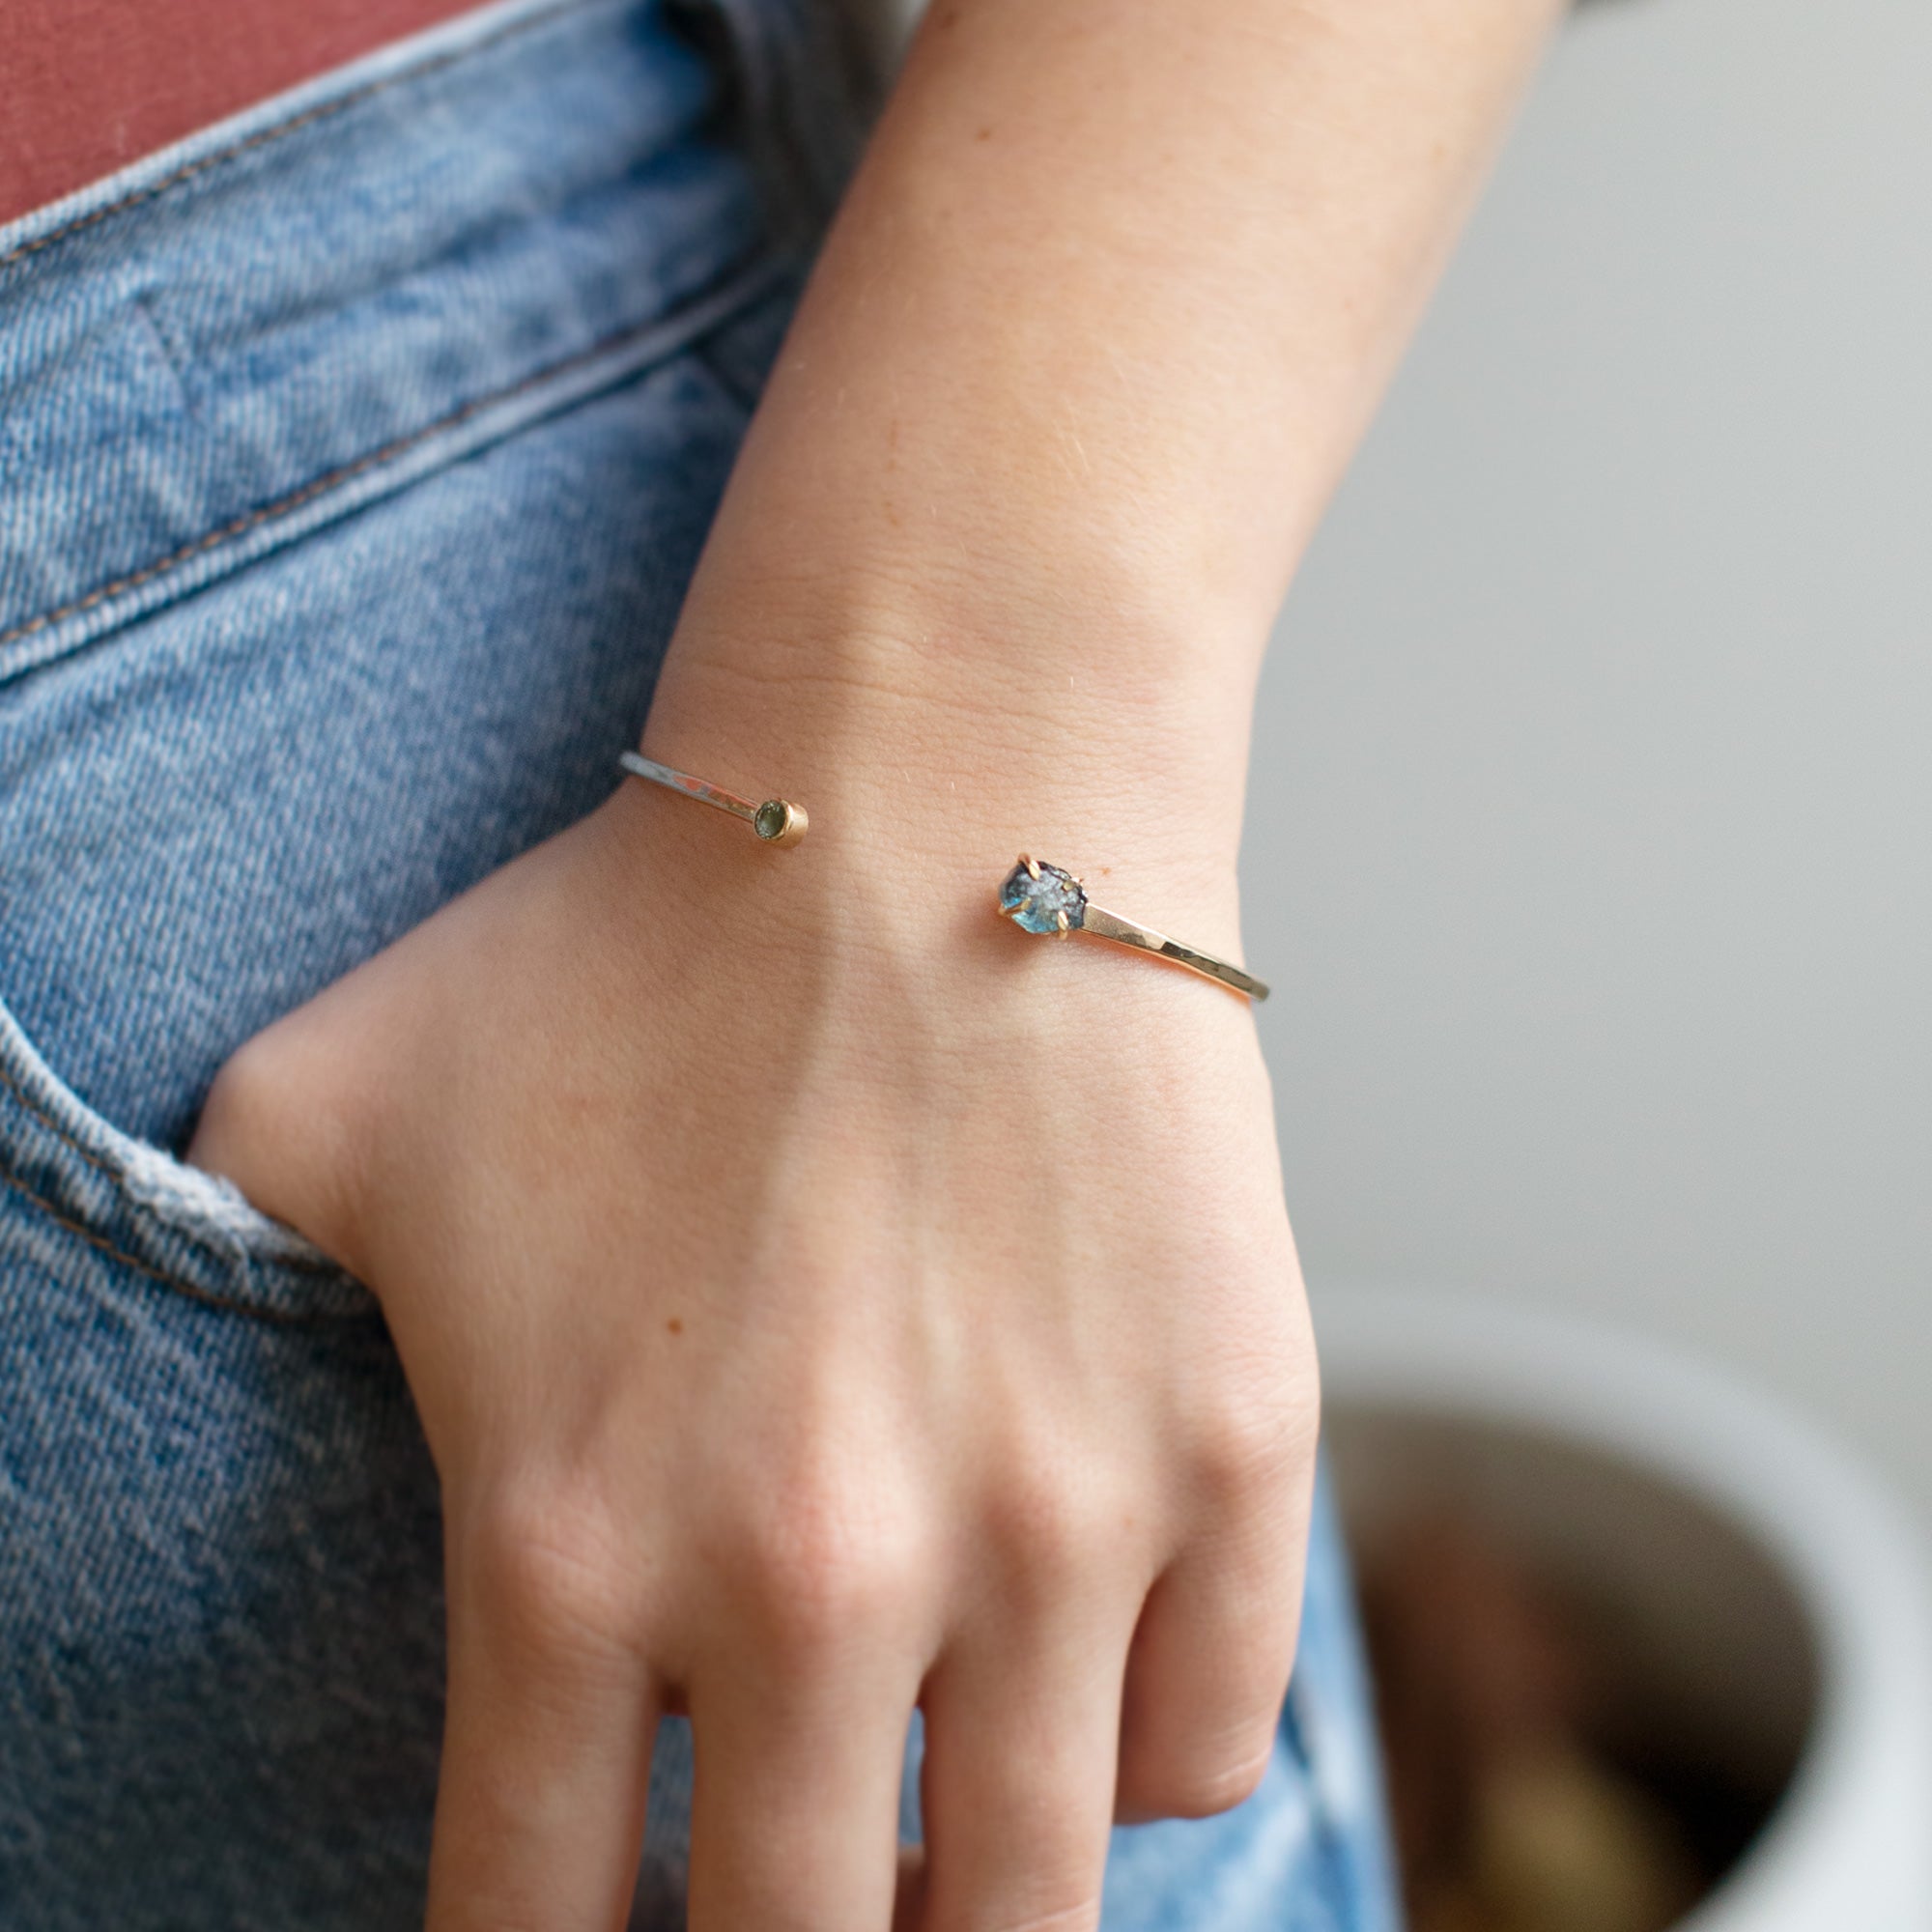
931, 743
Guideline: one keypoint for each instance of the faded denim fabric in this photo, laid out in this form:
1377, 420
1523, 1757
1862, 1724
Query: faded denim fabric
354, 459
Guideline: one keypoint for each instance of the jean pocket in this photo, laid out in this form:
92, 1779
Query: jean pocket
220, 1661
81, 1188
214, 811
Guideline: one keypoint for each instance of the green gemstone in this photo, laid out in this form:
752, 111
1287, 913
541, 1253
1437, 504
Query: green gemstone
770, 823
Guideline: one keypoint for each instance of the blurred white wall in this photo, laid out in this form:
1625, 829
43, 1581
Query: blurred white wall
1590, 836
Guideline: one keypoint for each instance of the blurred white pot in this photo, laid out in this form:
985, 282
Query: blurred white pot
1775, 1594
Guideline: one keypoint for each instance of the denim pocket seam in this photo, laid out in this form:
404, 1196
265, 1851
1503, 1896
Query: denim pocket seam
263, 137
186, 1231
260, 1310
680, 330
298, 1264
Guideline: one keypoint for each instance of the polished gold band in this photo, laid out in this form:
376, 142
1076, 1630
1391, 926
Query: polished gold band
1049, 900
777, 820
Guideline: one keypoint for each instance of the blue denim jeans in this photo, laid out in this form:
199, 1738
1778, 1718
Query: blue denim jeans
353, 458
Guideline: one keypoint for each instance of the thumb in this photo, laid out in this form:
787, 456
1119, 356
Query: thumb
275, 1124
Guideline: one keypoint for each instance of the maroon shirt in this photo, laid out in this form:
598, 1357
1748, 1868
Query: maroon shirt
87, 86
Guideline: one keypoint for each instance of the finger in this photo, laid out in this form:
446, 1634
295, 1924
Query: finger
794, 1822
1210, 1662
546, 1763
1022, 1735
909, 1899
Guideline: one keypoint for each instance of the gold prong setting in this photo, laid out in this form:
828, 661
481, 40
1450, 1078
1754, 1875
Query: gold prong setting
1042, 899
1049, 900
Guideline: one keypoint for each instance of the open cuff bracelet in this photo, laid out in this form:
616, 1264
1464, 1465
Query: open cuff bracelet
1038, 897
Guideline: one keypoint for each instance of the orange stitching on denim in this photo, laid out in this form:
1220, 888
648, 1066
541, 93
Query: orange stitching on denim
263, 137
299, 1263
373, 459
47, 1120
241, 526
257, 1311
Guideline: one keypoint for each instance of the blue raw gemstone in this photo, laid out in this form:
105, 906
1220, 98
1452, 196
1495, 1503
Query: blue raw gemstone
1038, 903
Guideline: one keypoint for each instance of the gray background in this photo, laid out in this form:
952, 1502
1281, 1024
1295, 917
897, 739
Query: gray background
1588, 834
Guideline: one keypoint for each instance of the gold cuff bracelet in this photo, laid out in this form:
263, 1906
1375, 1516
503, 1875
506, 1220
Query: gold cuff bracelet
1038, 897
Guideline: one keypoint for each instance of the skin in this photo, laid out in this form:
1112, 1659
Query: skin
820, 1297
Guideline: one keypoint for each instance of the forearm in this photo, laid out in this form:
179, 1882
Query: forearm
1106, 310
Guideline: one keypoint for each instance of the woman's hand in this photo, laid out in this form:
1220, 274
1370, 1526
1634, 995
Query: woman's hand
820, 1298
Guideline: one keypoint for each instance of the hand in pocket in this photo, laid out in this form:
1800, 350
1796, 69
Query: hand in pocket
809, 1320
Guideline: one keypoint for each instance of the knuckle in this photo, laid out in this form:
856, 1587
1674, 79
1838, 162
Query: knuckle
1050, 1522
826, 1557
549, 1571
1251, 1440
